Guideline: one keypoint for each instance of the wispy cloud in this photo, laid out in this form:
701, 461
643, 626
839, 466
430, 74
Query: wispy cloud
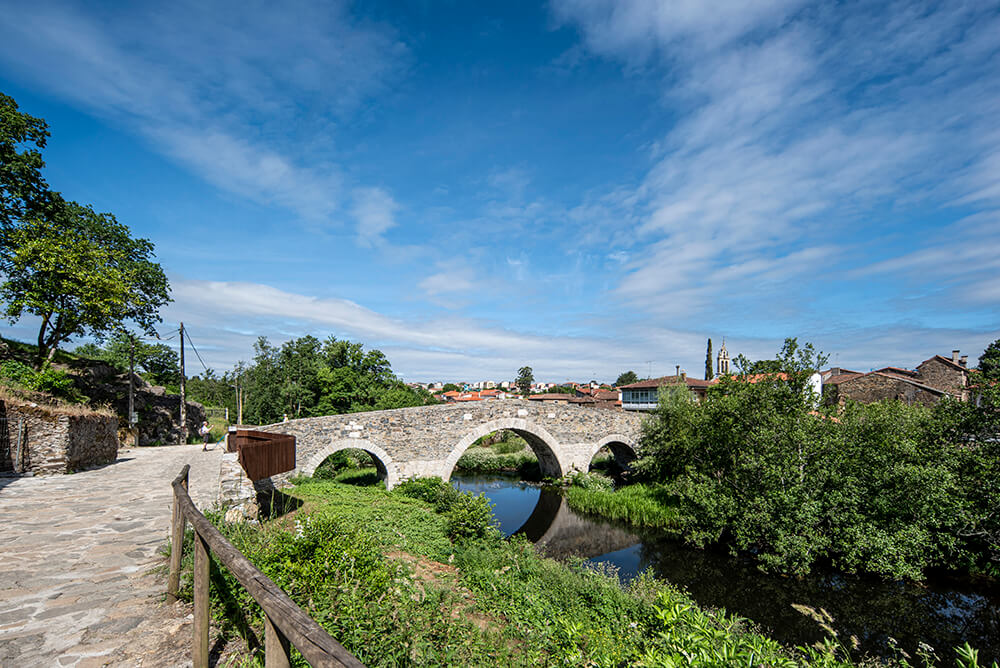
798, 133
374, 210
247, 95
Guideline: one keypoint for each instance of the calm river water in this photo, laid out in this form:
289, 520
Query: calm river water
943, 612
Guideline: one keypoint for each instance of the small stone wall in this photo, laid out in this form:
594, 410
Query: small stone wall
56, 443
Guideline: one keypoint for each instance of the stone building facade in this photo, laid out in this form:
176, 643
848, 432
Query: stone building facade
932, 380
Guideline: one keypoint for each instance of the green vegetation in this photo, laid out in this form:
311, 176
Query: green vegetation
640, 504
627, 378
79, 271
989, 362
885, 488
525, 377
157, 363
418, 576
52, 381
499, 453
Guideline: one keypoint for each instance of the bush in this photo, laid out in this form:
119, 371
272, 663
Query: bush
484, 460
51, 381
468, 516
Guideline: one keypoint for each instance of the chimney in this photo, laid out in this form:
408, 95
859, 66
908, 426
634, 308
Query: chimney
954, 356
678, 370
964, 360
684, 374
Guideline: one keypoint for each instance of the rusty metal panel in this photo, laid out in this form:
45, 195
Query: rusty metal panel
263, 454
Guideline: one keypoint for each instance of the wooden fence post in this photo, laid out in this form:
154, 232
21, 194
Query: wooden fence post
176, 547
277, 652
202, 611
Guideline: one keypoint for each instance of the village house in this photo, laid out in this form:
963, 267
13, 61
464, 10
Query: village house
932, 380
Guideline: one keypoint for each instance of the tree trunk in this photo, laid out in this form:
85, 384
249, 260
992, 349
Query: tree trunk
41, 354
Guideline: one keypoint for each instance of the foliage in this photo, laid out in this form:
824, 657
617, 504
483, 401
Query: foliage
80, 272
49, 380
451, 387
560, 389
627, 378
884, 488
342, 460
709, 369
379, 572
22, 189
525, 377
468, 516
156, 362
989, 361
484, 460
639, 505
307, 377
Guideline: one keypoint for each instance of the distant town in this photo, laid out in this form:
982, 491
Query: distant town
933, 379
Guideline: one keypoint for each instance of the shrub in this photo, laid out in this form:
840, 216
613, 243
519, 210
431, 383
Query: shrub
49, 380
468, 516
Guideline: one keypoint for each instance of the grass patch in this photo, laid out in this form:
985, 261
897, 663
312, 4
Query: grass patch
487, 460
640, 505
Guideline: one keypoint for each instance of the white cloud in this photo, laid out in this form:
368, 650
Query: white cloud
374, 210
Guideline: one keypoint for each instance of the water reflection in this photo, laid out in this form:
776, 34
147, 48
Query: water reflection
943, 613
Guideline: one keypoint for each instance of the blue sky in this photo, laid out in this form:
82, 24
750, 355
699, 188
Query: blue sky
584, 186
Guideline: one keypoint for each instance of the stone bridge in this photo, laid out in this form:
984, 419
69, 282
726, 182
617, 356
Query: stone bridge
428, 440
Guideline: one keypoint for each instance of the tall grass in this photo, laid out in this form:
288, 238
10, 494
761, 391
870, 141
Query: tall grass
640, 505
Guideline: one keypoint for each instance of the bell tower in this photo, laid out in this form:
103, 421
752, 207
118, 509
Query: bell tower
722, 361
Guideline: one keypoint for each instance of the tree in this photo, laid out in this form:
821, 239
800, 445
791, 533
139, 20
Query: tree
22, 188
709, 371
626, 378
451, 387
81, 272
989, 361
525, 378
156, 362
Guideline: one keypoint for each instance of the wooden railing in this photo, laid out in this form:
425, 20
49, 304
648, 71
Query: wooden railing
285, 624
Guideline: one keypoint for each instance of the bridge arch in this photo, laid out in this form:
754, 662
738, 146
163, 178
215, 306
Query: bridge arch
542, 443
623, 449
383, 461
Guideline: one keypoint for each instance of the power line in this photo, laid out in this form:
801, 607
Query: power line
197, 354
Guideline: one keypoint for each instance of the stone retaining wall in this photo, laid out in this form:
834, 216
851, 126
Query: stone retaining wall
54, 442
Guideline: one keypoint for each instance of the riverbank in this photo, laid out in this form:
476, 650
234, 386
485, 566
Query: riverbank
405, 581
504, 452
639, 505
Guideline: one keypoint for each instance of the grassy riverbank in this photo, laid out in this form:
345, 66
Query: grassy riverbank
640, 505
401, 580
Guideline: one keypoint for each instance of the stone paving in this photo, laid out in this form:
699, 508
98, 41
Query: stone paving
75, 556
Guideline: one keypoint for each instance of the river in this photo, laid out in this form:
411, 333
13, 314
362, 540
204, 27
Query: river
942, 612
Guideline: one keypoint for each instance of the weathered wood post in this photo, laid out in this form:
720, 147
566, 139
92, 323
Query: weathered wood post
176, 543
202, 611
277, 651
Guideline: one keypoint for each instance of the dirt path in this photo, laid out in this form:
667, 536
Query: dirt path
75, 552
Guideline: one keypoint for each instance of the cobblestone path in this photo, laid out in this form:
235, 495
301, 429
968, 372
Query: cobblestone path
75, 556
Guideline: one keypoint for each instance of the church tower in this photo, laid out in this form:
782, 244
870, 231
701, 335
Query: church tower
722, 361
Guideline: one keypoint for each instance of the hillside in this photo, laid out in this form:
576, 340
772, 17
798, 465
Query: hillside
97, 384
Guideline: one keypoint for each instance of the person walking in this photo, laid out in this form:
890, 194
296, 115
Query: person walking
206, 434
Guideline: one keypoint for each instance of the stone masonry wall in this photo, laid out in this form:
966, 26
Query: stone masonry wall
874, 387
56, 443
428, 440
942, 376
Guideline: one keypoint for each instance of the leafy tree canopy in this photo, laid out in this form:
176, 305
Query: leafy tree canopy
80, 272
450, 387
627, 378
156, 362
22, 188
989, 361
525, 377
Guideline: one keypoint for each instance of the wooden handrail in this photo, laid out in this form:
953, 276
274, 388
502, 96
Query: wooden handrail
284, 621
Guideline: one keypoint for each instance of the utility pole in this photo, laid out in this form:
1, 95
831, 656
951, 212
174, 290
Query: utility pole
131, 388
184, 425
